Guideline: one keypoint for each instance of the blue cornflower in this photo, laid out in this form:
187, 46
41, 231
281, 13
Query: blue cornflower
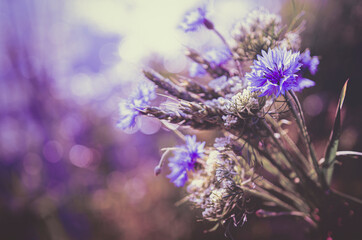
275, 72
309, 63
196, 70
129, 110
184, 160
128, 114
195, 19
216, 57
303, 83
194, 149
179, 164
144, 93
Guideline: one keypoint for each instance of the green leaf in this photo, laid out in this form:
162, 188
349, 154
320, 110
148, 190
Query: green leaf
331, 150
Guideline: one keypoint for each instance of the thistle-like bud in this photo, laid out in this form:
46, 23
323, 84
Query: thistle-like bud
245, 101
291, 41
208, 24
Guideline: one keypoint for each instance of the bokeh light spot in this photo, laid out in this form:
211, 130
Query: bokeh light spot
313, 105
81, 156
81, 85
135, 189
53, 151
149, 125
32, 164
114, 181
175, 64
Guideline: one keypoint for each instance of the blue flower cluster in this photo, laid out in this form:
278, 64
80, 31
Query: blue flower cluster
277, 71
309, 63
184, 160
195, 19
216, 57
129, 110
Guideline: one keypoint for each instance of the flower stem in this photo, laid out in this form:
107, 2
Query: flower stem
237, 63
298, 202
307, 218
306, 186
266, 196
287, 139
299, 117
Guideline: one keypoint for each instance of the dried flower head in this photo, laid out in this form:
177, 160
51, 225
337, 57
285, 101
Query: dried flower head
214, 188
260, 30
246, 100
291, 41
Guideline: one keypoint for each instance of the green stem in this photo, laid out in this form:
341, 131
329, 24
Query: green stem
266, 196
346, 196
302, 206
286, 138
299, 117
307, 218
284, 176
292, 163
308, 185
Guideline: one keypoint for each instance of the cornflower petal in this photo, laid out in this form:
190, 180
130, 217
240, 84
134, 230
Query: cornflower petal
129, 110
194, 19
196, 70
218, 56
184, 160
127, 115
195, 149
274, 72
309, 63
179, 164
303, 83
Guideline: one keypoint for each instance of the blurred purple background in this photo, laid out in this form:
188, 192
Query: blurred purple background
66, 171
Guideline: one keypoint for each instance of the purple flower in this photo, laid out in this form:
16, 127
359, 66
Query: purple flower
184, 160
194, 149
216, 57
308, 62
194, 19
179, 164
303, 83
129, 110
144, 93
275, 72
128, 114
196, 70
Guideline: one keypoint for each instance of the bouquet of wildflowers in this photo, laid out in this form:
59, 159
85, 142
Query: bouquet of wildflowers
254, 166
